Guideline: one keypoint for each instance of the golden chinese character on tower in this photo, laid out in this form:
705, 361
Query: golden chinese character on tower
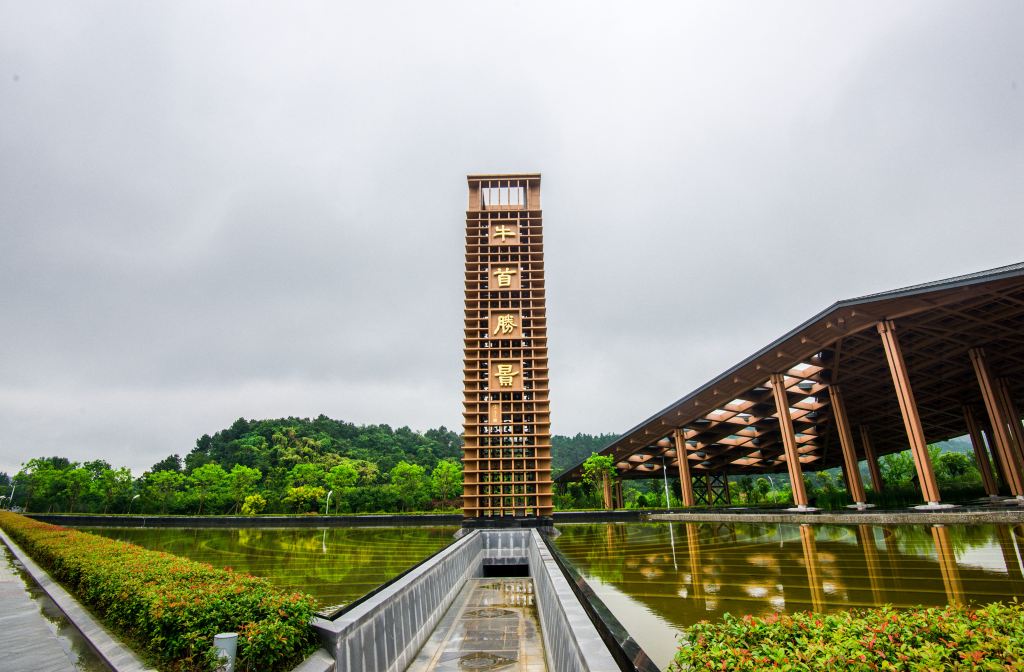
506, 375
502, 232
506, 325
504, 276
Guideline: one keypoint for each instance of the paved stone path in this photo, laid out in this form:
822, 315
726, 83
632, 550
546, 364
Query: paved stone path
27, 642
492, 625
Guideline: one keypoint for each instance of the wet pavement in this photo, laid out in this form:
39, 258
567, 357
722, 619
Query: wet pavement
28, 641
492, 626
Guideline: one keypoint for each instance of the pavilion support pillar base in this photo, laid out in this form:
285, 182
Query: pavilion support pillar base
860, 506
803, 509
934, 506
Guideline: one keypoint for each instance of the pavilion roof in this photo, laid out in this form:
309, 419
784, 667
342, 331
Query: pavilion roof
730, 423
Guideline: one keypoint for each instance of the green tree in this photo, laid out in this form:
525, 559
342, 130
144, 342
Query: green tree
169, 463
76, 481
112, 484
206, 482
241, 481
411, 482
164, 486
446, 480
306, 474
40, 480
599, 470
342, 476
254, 504
897, 468
762, 487
746, 486
304, 498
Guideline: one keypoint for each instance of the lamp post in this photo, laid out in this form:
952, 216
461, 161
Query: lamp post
664, 472
327, 509
132, 502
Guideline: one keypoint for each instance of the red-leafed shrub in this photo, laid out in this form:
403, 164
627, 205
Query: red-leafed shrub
171, 606
950, 638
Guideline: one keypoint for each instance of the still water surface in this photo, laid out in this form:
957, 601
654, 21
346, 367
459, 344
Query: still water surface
335, 565
659, 577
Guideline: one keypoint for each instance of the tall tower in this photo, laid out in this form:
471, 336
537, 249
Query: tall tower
507, 417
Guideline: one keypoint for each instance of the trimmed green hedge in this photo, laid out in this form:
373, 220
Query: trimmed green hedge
951, 638
170, 606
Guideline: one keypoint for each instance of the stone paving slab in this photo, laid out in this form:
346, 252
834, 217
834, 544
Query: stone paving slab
492, 625
27, 642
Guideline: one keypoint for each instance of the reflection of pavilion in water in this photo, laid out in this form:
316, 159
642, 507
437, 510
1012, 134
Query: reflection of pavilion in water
686, 572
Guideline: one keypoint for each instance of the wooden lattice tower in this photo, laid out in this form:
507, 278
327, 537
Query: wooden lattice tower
507, 417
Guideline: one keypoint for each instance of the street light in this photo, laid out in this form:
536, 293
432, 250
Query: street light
132, 502
664, 471
327, 509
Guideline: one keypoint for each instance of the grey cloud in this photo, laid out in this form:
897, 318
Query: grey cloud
208, 211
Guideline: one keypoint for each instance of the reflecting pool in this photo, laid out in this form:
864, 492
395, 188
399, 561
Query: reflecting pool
335, 565
659, 577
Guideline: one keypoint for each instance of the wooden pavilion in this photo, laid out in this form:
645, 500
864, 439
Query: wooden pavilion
863, 378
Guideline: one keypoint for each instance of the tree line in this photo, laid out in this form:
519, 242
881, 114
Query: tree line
285, 465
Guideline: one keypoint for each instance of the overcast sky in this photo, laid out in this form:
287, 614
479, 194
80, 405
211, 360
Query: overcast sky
219, 209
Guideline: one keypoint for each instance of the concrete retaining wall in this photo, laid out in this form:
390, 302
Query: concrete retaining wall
571, 642
74, 520
385, 632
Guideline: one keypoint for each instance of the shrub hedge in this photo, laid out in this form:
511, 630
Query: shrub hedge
170, 606
950, 638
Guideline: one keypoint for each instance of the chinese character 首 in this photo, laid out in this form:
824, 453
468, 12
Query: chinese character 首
504, 276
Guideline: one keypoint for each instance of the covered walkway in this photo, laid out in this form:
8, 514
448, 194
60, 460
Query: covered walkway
866, 377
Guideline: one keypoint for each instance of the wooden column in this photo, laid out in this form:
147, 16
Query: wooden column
997, 465
1012, 416
988, 479
606, 490
685, 484
1000, 429
872, 459
853, 481
796, 474
908, 407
